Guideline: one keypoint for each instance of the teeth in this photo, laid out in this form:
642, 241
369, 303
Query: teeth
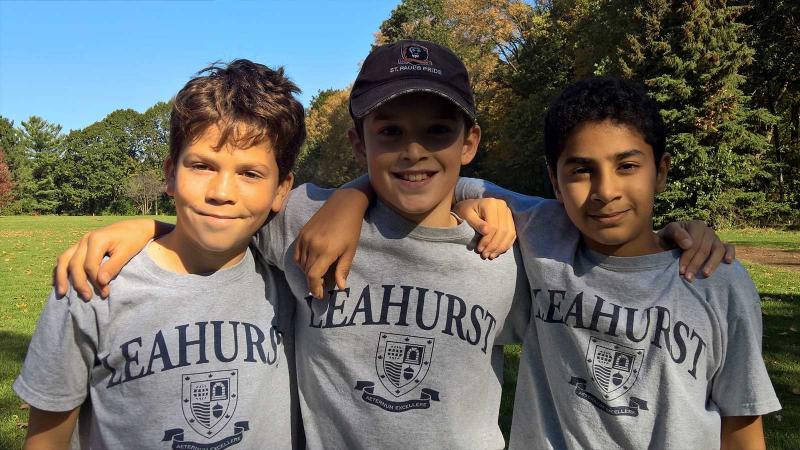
414, 176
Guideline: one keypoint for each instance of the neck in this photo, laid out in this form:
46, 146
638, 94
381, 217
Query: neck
647, 244
177, 253
437, 218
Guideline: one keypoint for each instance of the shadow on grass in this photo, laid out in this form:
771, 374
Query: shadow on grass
781, 348
511, 355
12, 352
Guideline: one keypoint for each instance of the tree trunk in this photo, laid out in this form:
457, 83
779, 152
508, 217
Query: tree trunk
776, 143
795, 121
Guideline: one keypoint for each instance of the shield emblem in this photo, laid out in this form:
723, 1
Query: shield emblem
414, 54
614, 367
402, 361
209, 400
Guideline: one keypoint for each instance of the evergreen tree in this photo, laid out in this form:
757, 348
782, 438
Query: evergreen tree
691, 54
42, 145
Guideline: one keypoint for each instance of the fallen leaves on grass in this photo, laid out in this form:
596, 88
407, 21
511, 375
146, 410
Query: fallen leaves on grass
22, 425
24, 406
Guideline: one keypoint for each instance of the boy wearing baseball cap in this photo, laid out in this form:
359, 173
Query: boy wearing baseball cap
406, 355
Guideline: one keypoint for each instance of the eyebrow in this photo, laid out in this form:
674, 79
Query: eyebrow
628, 153
618, 157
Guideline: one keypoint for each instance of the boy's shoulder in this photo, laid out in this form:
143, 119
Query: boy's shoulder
730, 286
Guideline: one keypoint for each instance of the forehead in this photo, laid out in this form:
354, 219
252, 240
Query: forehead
416, 105
239, 146
606, 139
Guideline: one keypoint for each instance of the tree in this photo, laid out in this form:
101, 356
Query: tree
145, 188
327, 157
155, 146
42, 144
40, 136
93, 172
691, 55
774, 34
416, 19
6, 183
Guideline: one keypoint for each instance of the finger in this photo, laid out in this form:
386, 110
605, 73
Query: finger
679, 234
730, 253
298, 249
316, 276
314, 286
77, 275
495, 246
343, 266
102, 272
492, 222
60, 274
713, 261
510, 235
703, 250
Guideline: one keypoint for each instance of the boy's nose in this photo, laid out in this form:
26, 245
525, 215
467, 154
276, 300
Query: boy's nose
414, 151
605, 188
221, 189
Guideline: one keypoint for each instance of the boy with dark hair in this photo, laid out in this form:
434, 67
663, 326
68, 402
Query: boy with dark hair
621, 352
175, 357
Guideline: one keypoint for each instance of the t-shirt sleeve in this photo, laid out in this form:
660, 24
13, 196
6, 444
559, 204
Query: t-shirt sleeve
55, 375
274, 239
741, 386
472, 188
516, 322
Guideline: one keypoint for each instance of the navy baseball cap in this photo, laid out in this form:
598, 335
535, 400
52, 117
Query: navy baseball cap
410, 66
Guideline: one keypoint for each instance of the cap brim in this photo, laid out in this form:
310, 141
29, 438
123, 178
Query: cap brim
365, 103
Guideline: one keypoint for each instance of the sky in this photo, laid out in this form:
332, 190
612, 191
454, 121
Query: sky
74, 62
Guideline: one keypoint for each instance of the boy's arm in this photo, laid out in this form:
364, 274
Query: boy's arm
742, 433
81, 262
49, 430
493, 220
332, 234
700, 244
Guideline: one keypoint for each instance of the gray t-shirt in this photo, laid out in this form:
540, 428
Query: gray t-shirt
623, 352
170, 360
406, 356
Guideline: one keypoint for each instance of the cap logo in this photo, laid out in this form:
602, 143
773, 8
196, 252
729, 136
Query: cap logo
414, 54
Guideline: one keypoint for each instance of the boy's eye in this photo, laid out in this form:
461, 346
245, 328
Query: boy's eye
391, 130
251, 174
439, 129
200, 166
580, 170
628, 167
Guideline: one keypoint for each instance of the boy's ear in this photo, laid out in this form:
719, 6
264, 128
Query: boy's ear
169, 176
282, 192
661, 172
359, 149
554, 181
472, 138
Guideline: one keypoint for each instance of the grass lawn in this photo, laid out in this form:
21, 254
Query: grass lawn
29, 246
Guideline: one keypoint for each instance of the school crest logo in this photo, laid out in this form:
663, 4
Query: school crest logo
414, 54
209, 400
614, 367
402, 361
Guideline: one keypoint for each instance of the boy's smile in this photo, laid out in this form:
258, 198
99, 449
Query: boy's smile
606, 177
414, 148
222, 196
